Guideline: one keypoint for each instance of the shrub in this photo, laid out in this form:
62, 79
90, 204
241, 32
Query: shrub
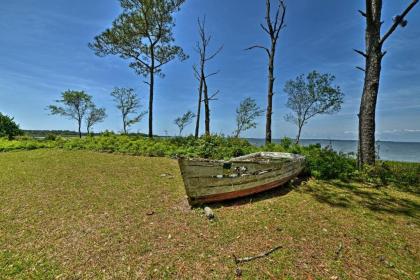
8, 127
321, 163
403, 175
50, 137
286, 142
324, 163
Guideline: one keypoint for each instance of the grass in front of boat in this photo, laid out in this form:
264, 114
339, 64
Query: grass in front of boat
82, 214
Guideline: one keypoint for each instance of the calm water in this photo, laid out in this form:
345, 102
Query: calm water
398, 151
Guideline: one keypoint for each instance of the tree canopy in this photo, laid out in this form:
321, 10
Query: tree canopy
8, 127
184, 120
128, 103
310, 96
74, 105
95, 115
143, 34
246, 114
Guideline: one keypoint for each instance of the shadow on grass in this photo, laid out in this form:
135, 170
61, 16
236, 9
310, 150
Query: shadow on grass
275, 192
348, 195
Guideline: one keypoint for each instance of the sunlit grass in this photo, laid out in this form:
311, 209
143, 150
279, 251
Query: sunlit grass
80, 214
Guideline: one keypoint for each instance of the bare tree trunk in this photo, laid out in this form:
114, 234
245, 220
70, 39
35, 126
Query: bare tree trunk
367, 109
272, 28
151, 91
200, 97
371, 83
197, 123
201, 49
298, 135
206, 108
79, 121
124, 117
270, 93
373, 60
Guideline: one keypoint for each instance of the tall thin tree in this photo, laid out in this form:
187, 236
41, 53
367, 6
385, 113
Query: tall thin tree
200, 73
74, 105
94, 115
184, 120
143, 34
373, 59
246, 114
128, 103
272, 27
309, 96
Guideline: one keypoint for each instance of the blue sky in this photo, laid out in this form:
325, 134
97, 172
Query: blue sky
43, 51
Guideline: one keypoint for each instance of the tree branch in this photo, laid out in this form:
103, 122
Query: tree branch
196, 73
215, 53
383, 54
281, 26
212, 97
362, 13
360, 52
247, 259
162, 63
212, 74
398, 21
360, 68
265, 29
259, 47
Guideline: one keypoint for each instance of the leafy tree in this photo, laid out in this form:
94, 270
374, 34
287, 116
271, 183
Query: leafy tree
184, 120
311, 96
272, 28
8, 127
373, 62
246, 114
74, 105
128, 103
95, 115
143, 35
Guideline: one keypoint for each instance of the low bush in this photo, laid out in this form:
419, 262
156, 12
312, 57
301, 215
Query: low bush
8, 127
322, 163
24, 144
404, 175
51, 137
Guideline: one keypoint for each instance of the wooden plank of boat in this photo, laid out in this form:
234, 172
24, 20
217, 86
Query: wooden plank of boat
216, 180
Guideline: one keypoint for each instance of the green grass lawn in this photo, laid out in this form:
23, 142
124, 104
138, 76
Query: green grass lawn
84, 215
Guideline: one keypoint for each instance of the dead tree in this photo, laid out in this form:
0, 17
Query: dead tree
272, 28
200, 74
373, 59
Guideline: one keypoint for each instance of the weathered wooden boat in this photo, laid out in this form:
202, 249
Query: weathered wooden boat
217, 180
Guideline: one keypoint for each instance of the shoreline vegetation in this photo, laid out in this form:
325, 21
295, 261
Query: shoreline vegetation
322, 162
41, 134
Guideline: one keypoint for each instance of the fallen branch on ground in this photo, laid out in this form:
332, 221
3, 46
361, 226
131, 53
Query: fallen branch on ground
247, 259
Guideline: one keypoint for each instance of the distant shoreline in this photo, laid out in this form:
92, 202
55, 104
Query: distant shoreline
276, 140
323, 139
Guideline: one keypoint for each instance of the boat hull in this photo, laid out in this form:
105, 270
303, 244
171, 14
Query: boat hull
211, 181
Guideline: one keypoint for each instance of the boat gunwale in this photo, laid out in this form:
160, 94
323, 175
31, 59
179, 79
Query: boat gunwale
252, 158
